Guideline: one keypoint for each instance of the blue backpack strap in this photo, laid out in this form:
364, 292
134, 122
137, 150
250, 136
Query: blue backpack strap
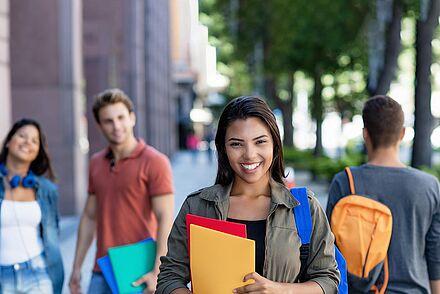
303, 220
342, 267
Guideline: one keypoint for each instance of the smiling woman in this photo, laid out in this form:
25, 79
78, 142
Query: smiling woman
249, 189
30, 260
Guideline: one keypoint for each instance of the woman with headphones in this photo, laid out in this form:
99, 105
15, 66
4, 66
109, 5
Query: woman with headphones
30, 259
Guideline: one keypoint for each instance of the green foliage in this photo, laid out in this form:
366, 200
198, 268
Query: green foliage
296, 35
435, 170
323, 167
299, 159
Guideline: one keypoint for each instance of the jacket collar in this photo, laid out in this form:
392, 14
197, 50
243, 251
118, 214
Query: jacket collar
279, 193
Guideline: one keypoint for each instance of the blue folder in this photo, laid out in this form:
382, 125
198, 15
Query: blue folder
107, 271
105, 265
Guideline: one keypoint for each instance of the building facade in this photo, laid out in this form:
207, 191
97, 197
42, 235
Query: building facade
126, 46
56, 55
46, 84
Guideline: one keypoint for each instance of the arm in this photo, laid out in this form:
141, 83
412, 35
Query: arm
163, 209
435, 287
55, 198
432, 249
174, 268
86, 233
321, 263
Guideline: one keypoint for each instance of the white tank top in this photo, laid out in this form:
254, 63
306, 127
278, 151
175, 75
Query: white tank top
19, 241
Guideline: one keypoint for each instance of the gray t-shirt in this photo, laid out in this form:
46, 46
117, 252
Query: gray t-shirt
414, 200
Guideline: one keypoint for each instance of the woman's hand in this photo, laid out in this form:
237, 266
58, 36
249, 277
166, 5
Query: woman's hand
260, 286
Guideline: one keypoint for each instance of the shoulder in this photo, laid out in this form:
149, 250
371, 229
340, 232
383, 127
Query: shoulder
206, 191
423, 176
98, 156
355, 170
197, 202
46, 184
49, 189
313, 201
211, 193
153, 155
341, 177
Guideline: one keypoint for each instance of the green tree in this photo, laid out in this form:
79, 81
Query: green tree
282, 37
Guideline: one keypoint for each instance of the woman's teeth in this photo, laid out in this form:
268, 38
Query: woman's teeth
250, 166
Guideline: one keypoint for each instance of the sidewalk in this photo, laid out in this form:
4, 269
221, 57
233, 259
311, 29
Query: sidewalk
189, 175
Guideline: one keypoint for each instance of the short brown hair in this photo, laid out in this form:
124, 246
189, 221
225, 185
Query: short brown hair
108, 97
383, 118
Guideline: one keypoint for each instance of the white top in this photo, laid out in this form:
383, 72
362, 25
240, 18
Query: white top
19, 241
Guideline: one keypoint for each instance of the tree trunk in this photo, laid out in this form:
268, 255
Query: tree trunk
317, 110
423, 120
392, 50
286, 107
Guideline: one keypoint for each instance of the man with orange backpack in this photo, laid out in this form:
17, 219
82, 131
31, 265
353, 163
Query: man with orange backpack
385, 215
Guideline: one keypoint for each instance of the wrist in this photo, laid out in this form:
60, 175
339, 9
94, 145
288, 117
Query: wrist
289, 288
76, 268
155, 272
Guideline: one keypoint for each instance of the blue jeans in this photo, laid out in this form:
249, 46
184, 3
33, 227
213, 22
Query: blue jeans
26, 277
98, 285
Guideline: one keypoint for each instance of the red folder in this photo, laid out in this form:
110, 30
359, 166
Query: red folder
231, 228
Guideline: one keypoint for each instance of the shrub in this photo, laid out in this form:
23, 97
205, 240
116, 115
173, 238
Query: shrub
322, 167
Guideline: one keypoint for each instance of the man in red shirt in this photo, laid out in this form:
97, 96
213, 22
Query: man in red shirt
130, 193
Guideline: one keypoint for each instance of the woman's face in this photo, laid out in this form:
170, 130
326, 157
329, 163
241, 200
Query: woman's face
24, 144
249, 147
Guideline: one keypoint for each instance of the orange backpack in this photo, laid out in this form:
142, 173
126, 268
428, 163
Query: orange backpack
362, 228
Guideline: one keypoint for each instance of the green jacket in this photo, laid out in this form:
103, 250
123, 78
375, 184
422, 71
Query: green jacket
282, 259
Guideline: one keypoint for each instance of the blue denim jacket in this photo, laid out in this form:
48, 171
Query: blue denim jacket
47, 198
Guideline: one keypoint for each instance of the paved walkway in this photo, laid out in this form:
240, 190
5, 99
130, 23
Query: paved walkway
190, 174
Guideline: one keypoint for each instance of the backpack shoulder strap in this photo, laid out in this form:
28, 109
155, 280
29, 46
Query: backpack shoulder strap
350, 180
303, 220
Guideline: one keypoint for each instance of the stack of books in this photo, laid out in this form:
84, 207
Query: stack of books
125, 264
220, 257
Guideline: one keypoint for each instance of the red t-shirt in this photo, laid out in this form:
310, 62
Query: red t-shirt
123, 192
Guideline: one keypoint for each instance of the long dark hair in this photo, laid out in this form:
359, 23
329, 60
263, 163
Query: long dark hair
242, 108
41, 164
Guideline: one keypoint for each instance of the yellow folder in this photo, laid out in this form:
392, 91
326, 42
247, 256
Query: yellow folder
219, 261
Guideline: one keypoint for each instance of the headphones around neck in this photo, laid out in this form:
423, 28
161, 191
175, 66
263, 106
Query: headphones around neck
29, 181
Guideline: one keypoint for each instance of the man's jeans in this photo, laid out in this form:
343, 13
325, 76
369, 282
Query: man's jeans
98, 285
26, 277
